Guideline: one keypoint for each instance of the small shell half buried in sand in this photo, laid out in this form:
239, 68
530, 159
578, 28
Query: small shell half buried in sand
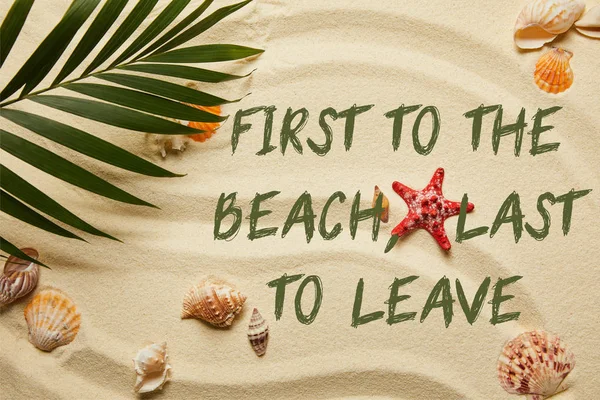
19, 277
258, 333
385, 214
213, 301
535, 363
52, 318
541, 21
553, 73
589, 24
152, 368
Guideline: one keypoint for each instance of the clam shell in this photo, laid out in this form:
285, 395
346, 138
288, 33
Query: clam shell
209, 128
542, 20
213, 301
258, 333
52, 318
152, 368
19, 278
535, 363
385, 214
553, 73
589, 24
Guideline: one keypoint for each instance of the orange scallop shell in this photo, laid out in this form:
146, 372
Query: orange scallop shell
553, 73
209, 128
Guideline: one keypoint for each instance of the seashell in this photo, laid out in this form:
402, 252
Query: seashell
589, 24
168, 143
553, 73
258, 333
52, 318
19, 278
385, 214
152, 368
535, 363
213, 301
209, 128
542, 20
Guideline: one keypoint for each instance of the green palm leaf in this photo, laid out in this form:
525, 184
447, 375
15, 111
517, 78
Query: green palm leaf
31, 195
153, 30
15, 208
10, 248
144, 102
205, 53
85, 143
183, 71
166, 89
63, 169
133, 20
11, 26
103, 21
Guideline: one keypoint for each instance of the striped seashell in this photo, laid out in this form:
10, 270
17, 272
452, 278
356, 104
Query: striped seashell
209, 128
589, 24
385, 214
258, 333
213, 301
541, 21
535, 363
553, 73
52, 318
19, 278
152, 368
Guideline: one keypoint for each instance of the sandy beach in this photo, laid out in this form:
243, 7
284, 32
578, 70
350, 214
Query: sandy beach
318, 55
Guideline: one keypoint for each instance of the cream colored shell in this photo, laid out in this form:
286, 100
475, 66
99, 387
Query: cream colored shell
213, 301
52, 318
553, 73
385, 214
541, 21
19, 277
535, 363
152, 368
589, 24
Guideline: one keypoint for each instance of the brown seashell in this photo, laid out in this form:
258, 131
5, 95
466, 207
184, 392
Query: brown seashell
52, 318
152, 368
213, 301
258, 333
385, 214
553, 73
535, 363
19, 278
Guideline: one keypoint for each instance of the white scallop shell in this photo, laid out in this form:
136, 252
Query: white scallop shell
19, 277
542, 20
213, 301
589, 24
535, 363
52, 318
258, 333
152, 368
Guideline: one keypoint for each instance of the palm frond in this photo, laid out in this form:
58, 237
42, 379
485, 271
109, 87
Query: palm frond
137, 103
11, 249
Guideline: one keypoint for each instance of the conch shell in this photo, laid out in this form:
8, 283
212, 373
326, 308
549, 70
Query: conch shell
19, 278
213, 301
52, 318
385, 214
152, 368
553, 73
589, 24
542, 20
258, 333
535, 363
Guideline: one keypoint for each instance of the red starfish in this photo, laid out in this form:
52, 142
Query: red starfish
427, 209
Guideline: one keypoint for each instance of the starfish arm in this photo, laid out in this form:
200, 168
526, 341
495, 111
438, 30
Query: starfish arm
403, 191
440, 236
453, 207
437, 179
404, 227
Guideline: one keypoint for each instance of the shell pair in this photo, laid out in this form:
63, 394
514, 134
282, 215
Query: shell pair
19, 278
536, 364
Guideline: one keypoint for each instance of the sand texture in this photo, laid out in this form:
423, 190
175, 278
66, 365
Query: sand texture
322, 54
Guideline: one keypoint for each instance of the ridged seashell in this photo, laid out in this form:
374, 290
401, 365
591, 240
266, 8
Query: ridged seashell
209, 128
589, 24
52, 318
19, 278
213, 301
553, 73
152, 368
258, 333
385, 214
542, 20
535, 363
